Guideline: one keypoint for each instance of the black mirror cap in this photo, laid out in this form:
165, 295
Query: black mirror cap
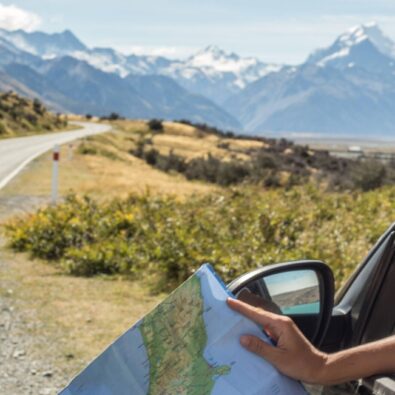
326, 281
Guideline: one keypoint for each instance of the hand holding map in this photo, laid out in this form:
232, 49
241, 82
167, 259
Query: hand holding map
189, 344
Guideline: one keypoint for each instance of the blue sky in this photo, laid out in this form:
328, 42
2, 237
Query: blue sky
275, 31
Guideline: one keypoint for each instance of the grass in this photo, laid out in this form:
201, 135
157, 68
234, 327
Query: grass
110, 173
81, 316
189, 142
21, 117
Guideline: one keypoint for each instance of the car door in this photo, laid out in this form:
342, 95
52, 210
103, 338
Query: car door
365, 312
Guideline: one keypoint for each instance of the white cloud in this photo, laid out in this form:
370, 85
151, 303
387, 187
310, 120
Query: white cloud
13, 18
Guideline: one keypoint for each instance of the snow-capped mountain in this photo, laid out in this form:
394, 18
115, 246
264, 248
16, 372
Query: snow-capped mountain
68, 76
211, 72
213, 61
217, 74
363, 46
345, 89
44, 45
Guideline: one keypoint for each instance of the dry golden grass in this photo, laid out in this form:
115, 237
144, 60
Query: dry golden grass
115, 173
188, 147
189, 142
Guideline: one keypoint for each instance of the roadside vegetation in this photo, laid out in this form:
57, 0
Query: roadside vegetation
269, 163
164, 240
143, 227
21, 116
273, 201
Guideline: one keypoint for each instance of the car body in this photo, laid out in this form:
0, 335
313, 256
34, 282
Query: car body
361, 312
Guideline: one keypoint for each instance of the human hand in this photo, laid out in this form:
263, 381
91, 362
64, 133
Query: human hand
294, 355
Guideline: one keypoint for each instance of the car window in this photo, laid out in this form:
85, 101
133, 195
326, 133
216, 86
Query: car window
381, 321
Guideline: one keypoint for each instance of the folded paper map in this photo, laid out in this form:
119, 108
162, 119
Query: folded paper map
187, 345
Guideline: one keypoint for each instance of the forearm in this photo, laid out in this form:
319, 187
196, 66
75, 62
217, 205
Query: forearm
363, 361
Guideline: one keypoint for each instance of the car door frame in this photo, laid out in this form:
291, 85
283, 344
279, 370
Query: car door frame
363, 293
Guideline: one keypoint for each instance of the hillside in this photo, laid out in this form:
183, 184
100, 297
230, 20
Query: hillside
20, 116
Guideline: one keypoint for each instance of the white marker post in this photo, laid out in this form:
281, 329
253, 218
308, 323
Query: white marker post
55, 174
70, 157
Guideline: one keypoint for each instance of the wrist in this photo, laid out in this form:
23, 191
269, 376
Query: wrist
320, 370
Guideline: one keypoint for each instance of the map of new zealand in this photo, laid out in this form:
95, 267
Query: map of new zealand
187, 345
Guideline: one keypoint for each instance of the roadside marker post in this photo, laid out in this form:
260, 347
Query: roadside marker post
55, 174
70, 156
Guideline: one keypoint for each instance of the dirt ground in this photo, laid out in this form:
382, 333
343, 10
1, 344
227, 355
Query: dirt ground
52, 325
26, 363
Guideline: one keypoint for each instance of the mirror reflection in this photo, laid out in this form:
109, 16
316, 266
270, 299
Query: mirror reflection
294, 292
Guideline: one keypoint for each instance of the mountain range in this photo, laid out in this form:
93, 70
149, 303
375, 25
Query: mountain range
345, 89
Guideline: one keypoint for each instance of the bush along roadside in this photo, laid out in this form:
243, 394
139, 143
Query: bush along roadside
268, 166
164, 239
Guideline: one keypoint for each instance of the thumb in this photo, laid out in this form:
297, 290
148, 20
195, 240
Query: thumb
259, 347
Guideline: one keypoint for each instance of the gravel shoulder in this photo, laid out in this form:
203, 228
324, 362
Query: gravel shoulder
28, 363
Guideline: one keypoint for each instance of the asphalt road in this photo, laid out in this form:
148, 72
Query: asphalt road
16, 153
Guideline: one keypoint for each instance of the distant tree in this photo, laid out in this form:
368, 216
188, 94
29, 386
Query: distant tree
88, 116
114, 116
369, 175
155, 125
38, 107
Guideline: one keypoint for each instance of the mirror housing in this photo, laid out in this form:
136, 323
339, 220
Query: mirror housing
313, 325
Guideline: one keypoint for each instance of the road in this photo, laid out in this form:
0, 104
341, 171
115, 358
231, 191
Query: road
16, 153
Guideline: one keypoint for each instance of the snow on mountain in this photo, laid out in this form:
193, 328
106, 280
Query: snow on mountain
217, 74
211, 72
369, 31
353, 42
213, 61
42, 44
345, 89
104, 59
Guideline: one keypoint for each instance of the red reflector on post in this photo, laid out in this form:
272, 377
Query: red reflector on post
56, 156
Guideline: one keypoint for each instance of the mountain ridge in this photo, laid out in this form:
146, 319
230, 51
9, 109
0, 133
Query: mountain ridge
345, 88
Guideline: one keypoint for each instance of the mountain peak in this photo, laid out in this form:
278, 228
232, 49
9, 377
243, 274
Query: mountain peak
368, 31
213, 52
69, 34
361, 45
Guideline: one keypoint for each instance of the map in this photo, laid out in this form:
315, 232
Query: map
187, 345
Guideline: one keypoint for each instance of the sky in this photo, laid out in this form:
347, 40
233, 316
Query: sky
284, 31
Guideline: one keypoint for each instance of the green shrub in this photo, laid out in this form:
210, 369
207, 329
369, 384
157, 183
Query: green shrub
87, 149
236, 231
3, 129
370, 174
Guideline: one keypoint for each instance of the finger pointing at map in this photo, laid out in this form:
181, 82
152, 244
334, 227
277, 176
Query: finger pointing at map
291, 345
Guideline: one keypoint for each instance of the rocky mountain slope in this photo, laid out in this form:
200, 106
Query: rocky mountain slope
345, 89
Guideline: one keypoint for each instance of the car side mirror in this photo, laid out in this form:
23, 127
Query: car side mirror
302, 290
